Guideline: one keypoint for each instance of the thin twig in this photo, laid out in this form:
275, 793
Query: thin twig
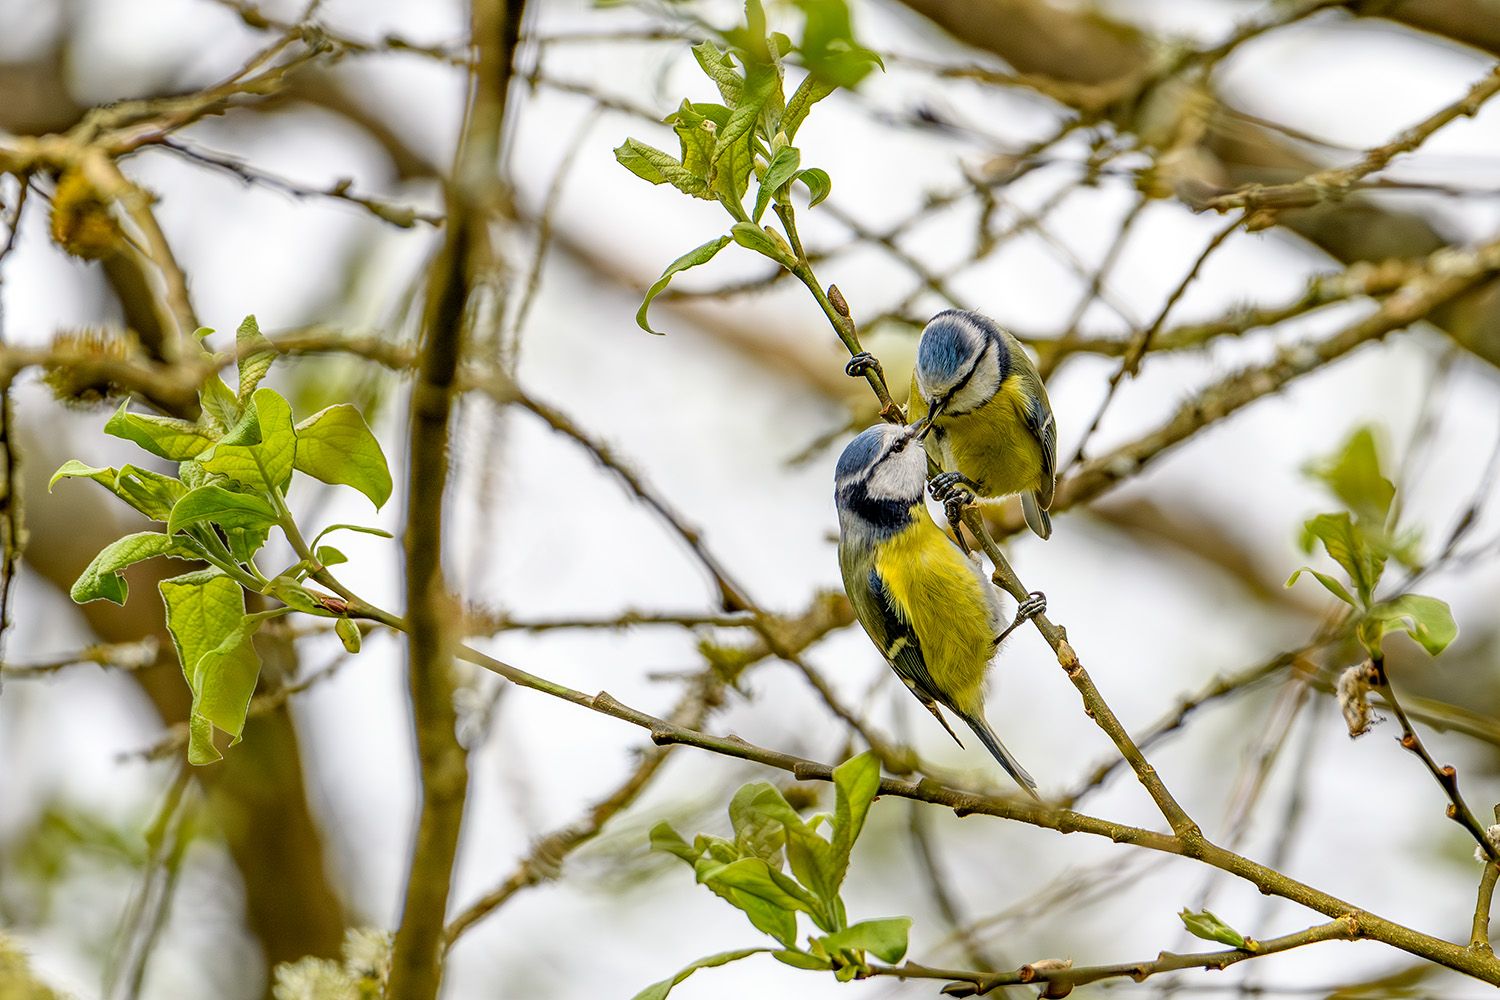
148, 909
111, 656
1094, 705
1221, 686
1141, 344
1423, 292
1445, 775
1479, 936
12, 527
965, 984
402, 216
1333, 183
937, 884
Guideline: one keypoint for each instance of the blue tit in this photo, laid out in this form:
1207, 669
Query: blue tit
928, 608
982, 406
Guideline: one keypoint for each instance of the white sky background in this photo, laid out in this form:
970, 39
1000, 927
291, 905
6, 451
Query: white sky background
538, 529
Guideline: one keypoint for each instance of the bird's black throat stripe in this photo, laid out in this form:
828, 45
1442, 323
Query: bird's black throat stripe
885, 513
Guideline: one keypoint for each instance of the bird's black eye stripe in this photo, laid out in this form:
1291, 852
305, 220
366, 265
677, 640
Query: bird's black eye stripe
959, 386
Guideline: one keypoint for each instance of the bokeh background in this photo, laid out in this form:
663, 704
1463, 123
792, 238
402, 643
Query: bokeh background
1050, 164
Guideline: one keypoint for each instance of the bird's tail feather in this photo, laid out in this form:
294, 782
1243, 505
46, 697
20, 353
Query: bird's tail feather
997, 749
931, 706
1036, 518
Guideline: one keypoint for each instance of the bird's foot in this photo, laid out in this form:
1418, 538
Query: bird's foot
954, 491
1035, 604
862, 363
945, 483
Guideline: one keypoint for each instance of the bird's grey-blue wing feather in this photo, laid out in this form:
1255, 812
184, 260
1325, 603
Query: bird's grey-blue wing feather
899, 644
1043, 425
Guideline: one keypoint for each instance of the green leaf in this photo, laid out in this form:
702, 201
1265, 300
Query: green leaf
1427, 620
1354, 477
1347, 545
362, 529
819, 184
810, 857
226, 678
698, 135
260, 451
651, 164
720, 69
290, 592
102, 580
1210, 928
752, 876
327, 555
758, 831
664, 838
256, 355
209, 627
734, 156
201, 749
657, 991
221, 408
337, 447
224, 508
857, 782
802, 960
752, 237
246, 541
885, 939
175, 440
716, 113
747, 885
203, 608
192, 475
812, 90
828, 46
694, 257
783, 167
151, 493
716, 850
1333, 586
74, 469
779, 172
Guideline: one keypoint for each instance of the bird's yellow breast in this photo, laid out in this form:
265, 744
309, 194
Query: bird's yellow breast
991, 445
937, 590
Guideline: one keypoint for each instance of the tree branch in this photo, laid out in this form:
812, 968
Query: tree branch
432, 616
1058, 974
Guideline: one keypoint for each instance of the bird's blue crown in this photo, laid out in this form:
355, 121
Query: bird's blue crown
862, 453
949, 345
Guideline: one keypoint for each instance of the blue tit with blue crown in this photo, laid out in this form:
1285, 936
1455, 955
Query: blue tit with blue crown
979, 401
929, 609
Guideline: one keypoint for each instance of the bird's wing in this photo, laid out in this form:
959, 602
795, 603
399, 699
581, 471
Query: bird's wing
1043, 426
899, 643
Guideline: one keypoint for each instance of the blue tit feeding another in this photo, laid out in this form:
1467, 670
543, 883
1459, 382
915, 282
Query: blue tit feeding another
927, 607
979, 401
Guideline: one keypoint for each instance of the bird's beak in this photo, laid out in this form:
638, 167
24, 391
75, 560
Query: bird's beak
925, 424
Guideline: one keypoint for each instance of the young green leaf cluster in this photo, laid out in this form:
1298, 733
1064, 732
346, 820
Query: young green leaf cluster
750, 135
1361, 538
748, 873
234, 465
